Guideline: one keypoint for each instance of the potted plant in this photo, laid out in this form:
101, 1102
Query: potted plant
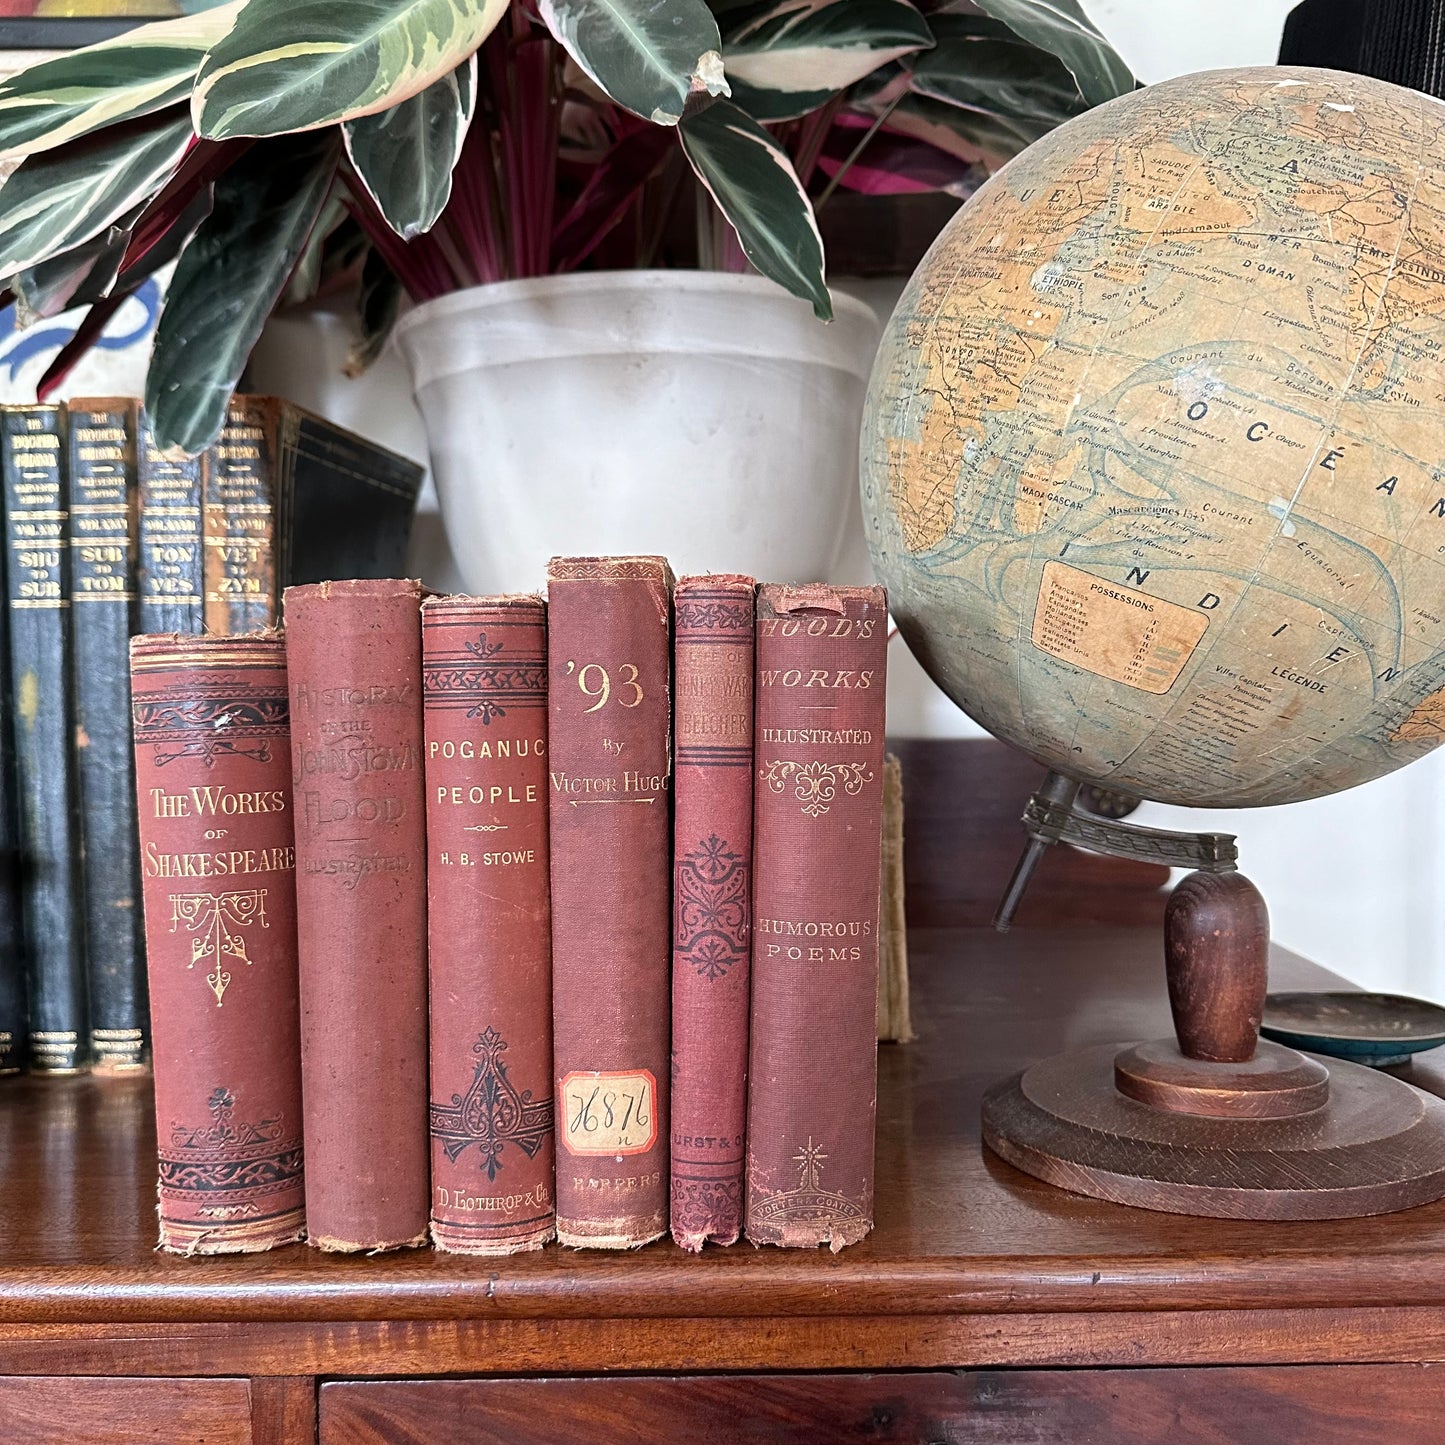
517, 173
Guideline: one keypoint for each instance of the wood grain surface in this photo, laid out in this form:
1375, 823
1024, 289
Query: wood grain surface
972, 1262
60, 1411
1359, 1405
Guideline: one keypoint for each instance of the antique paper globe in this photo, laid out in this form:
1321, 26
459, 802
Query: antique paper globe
1153, 461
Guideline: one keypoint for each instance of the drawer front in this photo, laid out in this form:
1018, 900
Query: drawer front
63, 1409
1312, 1405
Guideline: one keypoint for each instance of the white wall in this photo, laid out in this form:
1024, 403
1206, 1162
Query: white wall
1353, 881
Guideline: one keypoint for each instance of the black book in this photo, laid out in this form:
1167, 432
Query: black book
32, 461
102, 455
292, 498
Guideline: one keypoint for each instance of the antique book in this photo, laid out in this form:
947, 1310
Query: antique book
610, 774
36, 505
354, 662
213, 788
711, 904
169, 583
817, 851
895, 1019
484, 689
101, 441
290, 498
14, 1013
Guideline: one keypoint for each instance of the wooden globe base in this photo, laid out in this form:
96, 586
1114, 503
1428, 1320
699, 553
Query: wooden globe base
1376, 1145
1221, 1122
1277, 1083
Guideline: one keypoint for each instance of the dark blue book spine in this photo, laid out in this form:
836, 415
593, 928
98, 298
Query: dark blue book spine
170, 539
13, 1003
102, 452
32, 461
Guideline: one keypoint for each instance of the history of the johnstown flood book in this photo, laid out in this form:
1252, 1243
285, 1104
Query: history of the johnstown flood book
354, 658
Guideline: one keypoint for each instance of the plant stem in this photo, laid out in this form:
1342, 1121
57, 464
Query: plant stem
854, 154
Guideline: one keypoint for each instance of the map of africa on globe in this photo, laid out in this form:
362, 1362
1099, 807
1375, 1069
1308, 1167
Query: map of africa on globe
1154, 455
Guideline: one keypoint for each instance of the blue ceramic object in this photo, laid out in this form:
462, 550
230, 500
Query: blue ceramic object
1366, 1028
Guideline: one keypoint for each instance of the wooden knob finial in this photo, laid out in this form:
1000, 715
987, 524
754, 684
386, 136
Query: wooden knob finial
1216, 957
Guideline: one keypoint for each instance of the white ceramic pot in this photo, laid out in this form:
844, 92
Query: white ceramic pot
705, 416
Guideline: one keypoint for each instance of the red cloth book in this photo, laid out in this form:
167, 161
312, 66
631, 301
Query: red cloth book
354, 654
817, 848
484, 686
610, 774
711, 904
213, 787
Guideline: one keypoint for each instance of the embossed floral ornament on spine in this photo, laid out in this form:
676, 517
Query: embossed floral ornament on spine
712, 904
817, 852
484, 684
213, 782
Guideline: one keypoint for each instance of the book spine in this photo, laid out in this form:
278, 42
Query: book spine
609, 766
817, 851
484, 685
14, 1006
36, 501
711, 904
171, 541
239, 478
213, 790
101, 439
354, 655
345, 505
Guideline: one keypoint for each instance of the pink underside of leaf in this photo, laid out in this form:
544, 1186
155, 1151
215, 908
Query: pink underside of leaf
86, 335
611, 190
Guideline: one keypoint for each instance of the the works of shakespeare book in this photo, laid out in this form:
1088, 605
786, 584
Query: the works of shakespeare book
101, 439
36, 508
817, 851
354, 660
213, 787
484, 687
169, 582
711, 903
609, 770
290, 498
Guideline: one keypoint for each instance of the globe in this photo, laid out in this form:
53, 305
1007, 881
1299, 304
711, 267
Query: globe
1153, 458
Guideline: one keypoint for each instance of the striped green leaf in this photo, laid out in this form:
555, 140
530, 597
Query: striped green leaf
648, 55
983, 67
292, 65
404, 156
227, 280
74, 278
1062, 28
130, 75
800, 54
58, 200
753, 182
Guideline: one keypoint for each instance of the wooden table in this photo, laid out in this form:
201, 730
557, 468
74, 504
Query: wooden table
950, 1322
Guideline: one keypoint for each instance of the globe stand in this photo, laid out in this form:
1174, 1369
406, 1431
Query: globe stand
1215, 1121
